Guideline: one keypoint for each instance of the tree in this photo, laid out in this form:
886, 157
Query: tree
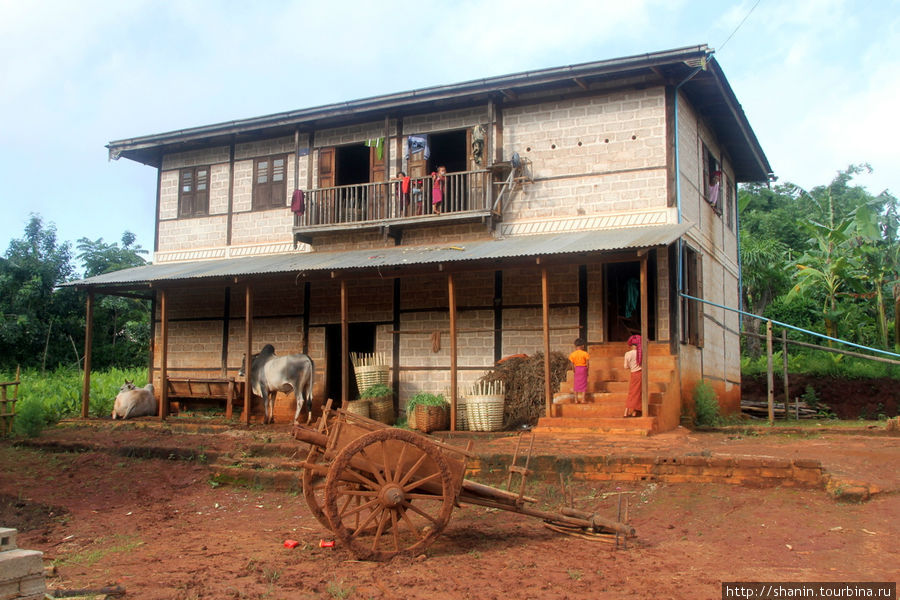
121, 324
38, 321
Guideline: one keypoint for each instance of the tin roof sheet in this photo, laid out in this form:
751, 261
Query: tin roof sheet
511, 247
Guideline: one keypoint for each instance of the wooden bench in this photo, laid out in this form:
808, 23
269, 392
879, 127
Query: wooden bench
198, 388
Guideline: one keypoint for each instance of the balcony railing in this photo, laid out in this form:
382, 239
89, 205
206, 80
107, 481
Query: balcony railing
351, 206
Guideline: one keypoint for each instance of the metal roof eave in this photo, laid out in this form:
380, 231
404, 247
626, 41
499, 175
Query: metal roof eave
146, 148
601, 241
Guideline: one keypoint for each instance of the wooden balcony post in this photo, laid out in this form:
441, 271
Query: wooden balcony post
345, 346
164, 355
645, 372
453, 351
545, 301
248, 350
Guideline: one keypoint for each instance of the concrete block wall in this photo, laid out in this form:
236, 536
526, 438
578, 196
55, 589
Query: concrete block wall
21, 571
589, 155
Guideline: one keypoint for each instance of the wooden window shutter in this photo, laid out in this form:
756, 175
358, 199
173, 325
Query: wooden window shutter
201, 191
186, 193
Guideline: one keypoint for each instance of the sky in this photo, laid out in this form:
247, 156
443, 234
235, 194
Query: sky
819, 80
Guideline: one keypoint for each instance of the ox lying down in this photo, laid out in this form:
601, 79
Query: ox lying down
134, 402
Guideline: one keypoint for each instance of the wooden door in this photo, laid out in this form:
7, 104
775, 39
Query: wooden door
377, 204
421, 190
325, 205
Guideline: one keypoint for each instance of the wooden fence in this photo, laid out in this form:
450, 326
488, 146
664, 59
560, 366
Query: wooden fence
8, 404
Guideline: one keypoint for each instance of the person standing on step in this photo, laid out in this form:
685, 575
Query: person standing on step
580, 362
634, 401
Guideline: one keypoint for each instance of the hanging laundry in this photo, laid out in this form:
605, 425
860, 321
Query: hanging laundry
478, 144
378, 144
298, 205
632, 296
417, 143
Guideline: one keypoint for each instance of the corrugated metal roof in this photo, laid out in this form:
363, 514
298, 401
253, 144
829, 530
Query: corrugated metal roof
511, 247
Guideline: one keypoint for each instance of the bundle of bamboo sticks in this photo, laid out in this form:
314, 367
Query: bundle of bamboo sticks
364, 359
488, 388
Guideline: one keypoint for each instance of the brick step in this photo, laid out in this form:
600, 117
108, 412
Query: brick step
622, 386
598, 380
590, 411
616, 362
619, 348
601, 398
611, 425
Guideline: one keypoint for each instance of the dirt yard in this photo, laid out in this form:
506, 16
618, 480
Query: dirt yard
161, 529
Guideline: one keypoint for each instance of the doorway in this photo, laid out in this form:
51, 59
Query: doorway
622, 282
361, 339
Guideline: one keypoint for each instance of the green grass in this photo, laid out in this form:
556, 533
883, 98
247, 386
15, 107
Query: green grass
822, 364
47, 397
99, 550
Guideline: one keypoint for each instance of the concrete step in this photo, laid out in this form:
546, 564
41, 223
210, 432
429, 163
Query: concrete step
611, 425
619, 348
605, 410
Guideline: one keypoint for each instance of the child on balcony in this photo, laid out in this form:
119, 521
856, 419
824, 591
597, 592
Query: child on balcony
580, 361
438, 186
403, 204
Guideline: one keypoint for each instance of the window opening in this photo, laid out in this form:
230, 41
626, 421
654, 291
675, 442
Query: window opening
269, 187
623, 299
712, 180
690, 309
193, 192
352, 164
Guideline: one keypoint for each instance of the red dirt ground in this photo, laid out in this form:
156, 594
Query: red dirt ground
162, 531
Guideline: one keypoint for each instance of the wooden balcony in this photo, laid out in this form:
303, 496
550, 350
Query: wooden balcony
382, 206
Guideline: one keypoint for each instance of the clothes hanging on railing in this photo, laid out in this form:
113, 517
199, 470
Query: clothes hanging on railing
417, 143
378, 144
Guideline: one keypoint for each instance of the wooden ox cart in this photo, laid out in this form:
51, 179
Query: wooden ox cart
384, 491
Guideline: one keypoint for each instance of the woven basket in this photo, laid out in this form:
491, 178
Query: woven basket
485, 412
431, 418
366, 377
382, 409
462, 416
359, 407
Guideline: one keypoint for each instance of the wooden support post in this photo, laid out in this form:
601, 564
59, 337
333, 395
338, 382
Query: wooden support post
545, 302
451, 291
88, 342
248, 350
784, 366
164, 355
345, 346
645, 372
770, 375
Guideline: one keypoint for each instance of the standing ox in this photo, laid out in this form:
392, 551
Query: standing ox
134, 402
270, 374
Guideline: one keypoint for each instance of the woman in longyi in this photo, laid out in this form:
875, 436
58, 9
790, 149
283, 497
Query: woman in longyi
633, 364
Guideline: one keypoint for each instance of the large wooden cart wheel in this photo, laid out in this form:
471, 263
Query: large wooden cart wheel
314, 493
393, 468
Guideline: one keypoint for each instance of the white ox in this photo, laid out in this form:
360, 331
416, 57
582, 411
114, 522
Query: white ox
134, 402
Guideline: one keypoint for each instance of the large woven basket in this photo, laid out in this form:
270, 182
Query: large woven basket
462, 416
366, 377
485, 412
431, 418
359, 407
382, 409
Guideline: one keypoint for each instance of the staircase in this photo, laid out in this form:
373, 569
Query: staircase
607, 390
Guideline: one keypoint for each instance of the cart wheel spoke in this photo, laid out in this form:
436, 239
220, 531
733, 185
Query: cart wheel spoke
390, 494
399, 465
420, 482
413, 469
418, 510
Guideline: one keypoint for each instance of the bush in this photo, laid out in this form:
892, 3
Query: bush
425, 399
706, 405
379, 390
30, 419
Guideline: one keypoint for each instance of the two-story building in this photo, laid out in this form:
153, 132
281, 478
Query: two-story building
578, 201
